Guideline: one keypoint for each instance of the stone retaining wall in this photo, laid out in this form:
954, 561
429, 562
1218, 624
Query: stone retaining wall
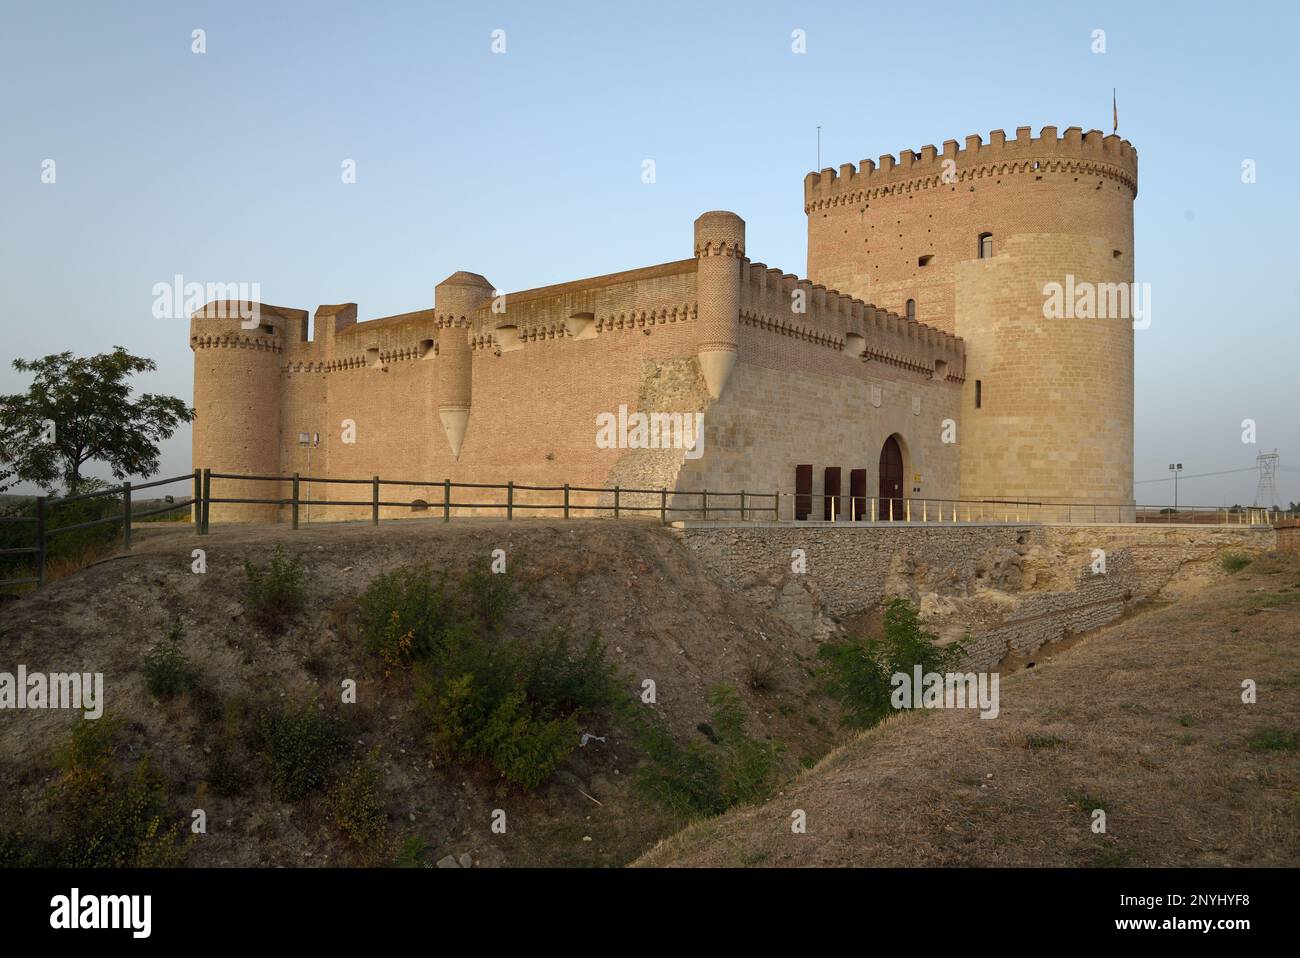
1004, 588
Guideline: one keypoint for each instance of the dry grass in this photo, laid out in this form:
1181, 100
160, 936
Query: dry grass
633, 583
1144, 719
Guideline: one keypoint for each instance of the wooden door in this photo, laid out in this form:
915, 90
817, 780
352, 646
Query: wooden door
891, 480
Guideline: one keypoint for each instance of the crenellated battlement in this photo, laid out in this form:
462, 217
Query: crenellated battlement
1074, 150
826, 318
838, 321
240, 324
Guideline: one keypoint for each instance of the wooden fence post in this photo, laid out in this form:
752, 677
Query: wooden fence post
374, 502
704, 503
615, 500
126, 516
197, 500
293, 511
566, 500
446, 500
742, 505
510, 499
207, 501
663, 507
40, 541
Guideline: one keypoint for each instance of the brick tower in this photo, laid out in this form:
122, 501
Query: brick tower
973, 240
237, 400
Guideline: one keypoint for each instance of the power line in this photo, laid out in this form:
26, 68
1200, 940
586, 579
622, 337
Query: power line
1199, 475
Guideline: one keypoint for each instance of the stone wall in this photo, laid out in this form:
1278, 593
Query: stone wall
1002, 588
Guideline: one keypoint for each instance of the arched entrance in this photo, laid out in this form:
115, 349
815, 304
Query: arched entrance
891, 479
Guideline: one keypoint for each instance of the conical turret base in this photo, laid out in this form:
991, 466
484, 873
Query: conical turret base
716, 366
454, 422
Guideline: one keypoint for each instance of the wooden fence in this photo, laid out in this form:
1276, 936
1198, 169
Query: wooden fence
564, 499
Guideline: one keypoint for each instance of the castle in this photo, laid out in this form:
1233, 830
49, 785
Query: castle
914, 360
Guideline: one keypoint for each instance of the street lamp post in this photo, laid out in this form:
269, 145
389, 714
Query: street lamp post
1175, 468
308, 440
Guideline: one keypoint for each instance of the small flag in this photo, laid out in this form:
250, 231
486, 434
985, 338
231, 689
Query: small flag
1114, 105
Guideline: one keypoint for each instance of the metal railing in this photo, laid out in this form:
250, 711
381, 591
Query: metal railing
46, 526
876, 509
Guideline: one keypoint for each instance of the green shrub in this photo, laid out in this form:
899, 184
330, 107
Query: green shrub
359, 809
514, 706
698, 780
89, 748
1234, 562
274, 594
684, 778
857, 673
103, 818
166, 673
299, 747
490, 595
404, 614
1086, 802
853, 676
412, 853
230, 771
17, 850
525, 747
1273, 740
517, 711
563, 679
409, 614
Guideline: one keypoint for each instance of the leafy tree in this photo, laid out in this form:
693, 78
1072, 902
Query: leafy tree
94, 417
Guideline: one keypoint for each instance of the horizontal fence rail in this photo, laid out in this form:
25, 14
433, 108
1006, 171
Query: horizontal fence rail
559, 499
510, 499
47, 528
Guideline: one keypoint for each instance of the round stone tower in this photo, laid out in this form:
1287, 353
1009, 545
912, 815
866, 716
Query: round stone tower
237, 403
1024, 248
720, 249
455, 301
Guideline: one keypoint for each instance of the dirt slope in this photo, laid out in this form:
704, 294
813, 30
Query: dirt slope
1144, 719
660, 614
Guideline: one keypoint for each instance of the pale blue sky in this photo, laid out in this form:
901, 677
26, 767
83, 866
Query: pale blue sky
526, 167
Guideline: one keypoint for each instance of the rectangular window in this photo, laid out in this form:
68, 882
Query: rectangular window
979, 393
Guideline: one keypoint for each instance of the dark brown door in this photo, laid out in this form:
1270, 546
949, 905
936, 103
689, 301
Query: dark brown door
802, 491
832, 504
858, 492
891, 479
